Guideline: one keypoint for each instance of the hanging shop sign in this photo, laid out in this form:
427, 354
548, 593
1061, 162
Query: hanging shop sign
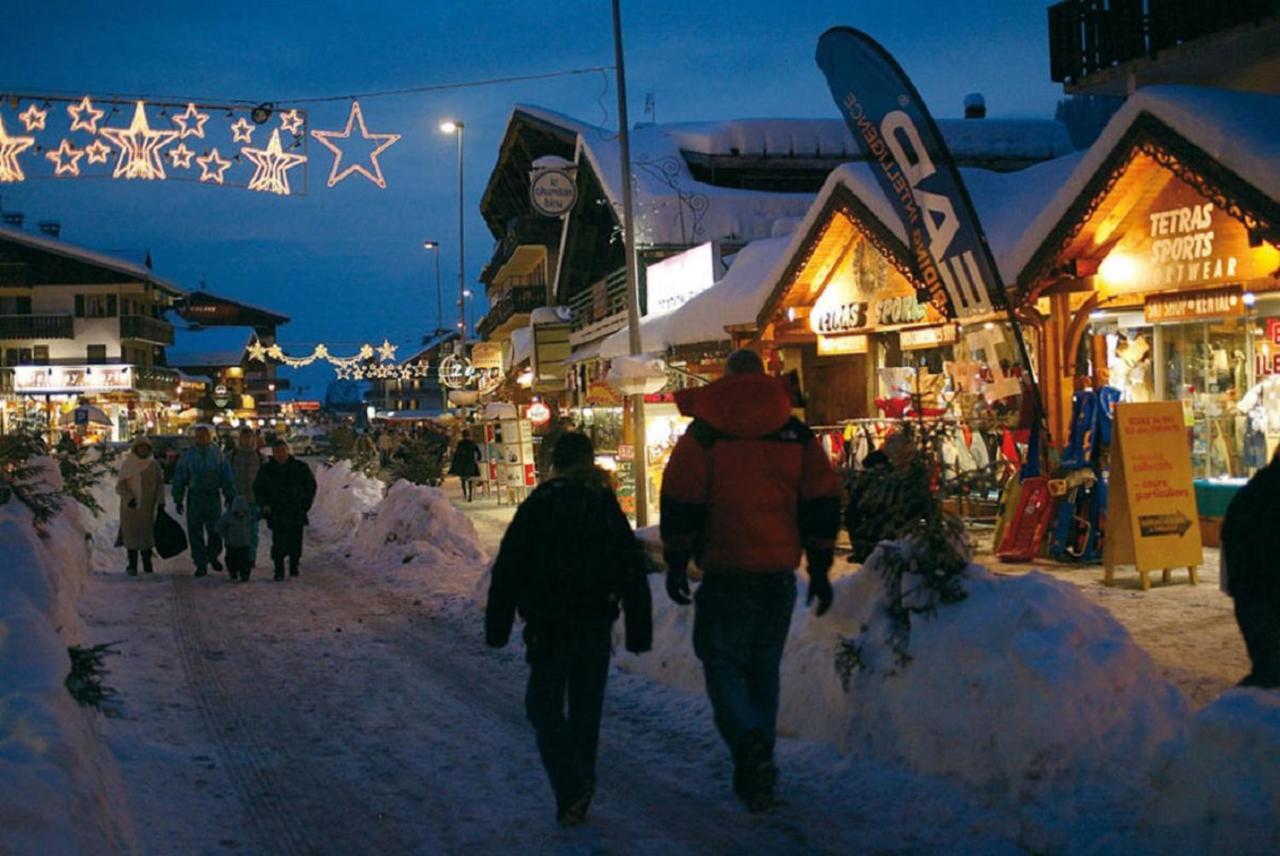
1194, 305
845, 307
927, 337
1267, 356
1152, 519
673, 282
486, 355
552, 192
538, 413
60, 380
835, 346
601, 394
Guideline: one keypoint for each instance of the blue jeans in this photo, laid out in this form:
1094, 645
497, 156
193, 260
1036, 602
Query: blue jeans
738, 633
202, 513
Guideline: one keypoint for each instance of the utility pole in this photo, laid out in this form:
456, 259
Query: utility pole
633, 285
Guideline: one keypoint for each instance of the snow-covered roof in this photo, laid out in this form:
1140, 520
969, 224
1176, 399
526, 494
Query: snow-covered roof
549, 315
194, 298
59, 247
1240, 130
429, 345
206, 347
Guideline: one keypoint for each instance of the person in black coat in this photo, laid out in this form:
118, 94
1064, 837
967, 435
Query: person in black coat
466, 464
284, 490
567, 562
1251, 571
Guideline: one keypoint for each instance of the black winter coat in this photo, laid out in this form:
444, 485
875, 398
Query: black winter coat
466, 460
1251, 538
286, 489
567, 561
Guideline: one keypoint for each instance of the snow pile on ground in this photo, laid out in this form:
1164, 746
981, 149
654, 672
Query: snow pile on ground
59, 785
1218, 791
344, 498
418, 525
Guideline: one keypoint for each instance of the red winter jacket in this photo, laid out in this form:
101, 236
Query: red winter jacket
747, 486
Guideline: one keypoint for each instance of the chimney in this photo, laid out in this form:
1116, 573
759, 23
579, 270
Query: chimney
52, 228
975, 106
13, 218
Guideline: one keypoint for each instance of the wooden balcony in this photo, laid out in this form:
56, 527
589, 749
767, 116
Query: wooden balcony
57, 325
146, 329
516, 301
600, 304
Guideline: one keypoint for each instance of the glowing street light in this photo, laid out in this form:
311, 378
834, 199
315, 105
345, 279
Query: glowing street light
435, 245
450, 126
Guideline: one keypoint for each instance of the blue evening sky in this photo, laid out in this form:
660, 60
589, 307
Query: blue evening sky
346, 263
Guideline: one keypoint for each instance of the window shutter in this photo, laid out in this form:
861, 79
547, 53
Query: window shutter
79, 305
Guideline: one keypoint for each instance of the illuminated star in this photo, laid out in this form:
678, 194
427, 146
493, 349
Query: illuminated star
66, 159
273, 164
10, 148
97, 152
386, 351
139, 147
78, 112
33, 118
291, 121
257, 352
181, 156
242, 131
387, 140
212, 166
191, 122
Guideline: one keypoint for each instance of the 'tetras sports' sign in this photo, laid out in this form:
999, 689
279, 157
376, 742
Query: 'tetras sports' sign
910, 160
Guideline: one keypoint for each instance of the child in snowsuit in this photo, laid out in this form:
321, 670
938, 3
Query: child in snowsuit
236, 528
567, 562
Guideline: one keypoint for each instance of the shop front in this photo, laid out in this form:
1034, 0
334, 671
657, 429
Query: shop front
96, 403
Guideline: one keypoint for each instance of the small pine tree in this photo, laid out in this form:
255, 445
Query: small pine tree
84, 468
23, 476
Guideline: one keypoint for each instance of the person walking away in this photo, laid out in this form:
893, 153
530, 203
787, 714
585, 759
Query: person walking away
746, 489
466, 464
246, 461
546, 452
285, 489
140, 486
567, 561
201, 475
1250, 573
238, 530
888, 497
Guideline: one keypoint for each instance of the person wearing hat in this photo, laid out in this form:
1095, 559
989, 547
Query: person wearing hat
201, 475
140, 485
285, 489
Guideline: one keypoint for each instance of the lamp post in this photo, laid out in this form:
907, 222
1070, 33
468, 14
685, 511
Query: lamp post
435, 245
449, 126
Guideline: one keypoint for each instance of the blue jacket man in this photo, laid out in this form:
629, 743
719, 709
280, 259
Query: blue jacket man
201, 475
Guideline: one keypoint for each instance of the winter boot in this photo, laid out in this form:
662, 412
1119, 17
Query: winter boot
215, 564
201, 572
132, 568
575, 809
754, 774
293, 567
146, 562
279, 574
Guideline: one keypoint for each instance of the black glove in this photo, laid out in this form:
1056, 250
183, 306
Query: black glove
819, 584
678, 578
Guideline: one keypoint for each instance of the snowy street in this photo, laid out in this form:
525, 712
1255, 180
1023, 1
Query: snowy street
333, 714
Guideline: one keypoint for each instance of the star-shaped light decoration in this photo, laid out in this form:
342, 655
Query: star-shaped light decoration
321, 352
97, 151
386, 351
337, 174
78, 112
139, 147
191, 122
273, 164
212, 166
241, 131
292, 121
10, 148
275, 352
181, 156
65, 158
33, 118
257, 351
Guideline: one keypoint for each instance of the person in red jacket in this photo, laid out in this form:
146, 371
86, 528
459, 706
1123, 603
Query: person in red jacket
747, 489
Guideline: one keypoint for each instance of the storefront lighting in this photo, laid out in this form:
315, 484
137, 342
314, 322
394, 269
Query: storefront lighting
1250, 299
990, 325
217, 420
235, 422
1119, 269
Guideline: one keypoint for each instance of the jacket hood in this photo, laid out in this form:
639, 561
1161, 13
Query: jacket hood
239, 504
748, 405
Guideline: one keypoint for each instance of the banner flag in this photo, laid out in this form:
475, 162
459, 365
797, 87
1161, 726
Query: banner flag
911, 161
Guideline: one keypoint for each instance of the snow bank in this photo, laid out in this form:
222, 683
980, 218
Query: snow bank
344, 498
59, 785
1025, 691
418, 525
1218, 791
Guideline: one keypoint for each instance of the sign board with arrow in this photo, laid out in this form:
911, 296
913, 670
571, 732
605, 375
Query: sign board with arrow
1152, 522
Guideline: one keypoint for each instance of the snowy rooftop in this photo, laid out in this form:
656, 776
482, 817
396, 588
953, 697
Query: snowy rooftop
59, 247
206, 347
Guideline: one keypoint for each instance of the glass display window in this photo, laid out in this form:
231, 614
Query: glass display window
1206, 366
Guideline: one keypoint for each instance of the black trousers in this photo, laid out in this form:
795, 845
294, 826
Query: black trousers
1259, 620
239, 561
286, 543
563, 701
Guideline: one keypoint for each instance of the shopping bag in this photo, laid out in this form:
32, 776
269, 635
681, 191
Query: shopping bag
170, 539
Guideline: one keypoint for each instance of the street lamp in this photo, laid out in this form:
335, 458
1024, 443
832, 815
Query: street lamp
449, 126
435, 245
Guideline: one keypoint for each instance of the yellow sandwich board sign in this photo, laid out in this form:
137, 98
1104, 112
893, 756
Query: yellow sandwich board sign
1152, 522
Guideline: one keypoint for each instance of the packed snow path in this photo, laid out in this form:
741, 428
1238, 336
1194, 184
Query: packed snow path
330, 714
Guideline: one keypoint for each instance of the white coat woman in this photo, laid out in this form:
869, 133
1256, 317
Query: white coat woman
141, 489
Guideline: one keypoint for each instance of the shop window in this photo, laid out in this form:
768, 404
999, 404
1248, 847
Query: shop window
19, 357
96, 355
40, 355
1206, 368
